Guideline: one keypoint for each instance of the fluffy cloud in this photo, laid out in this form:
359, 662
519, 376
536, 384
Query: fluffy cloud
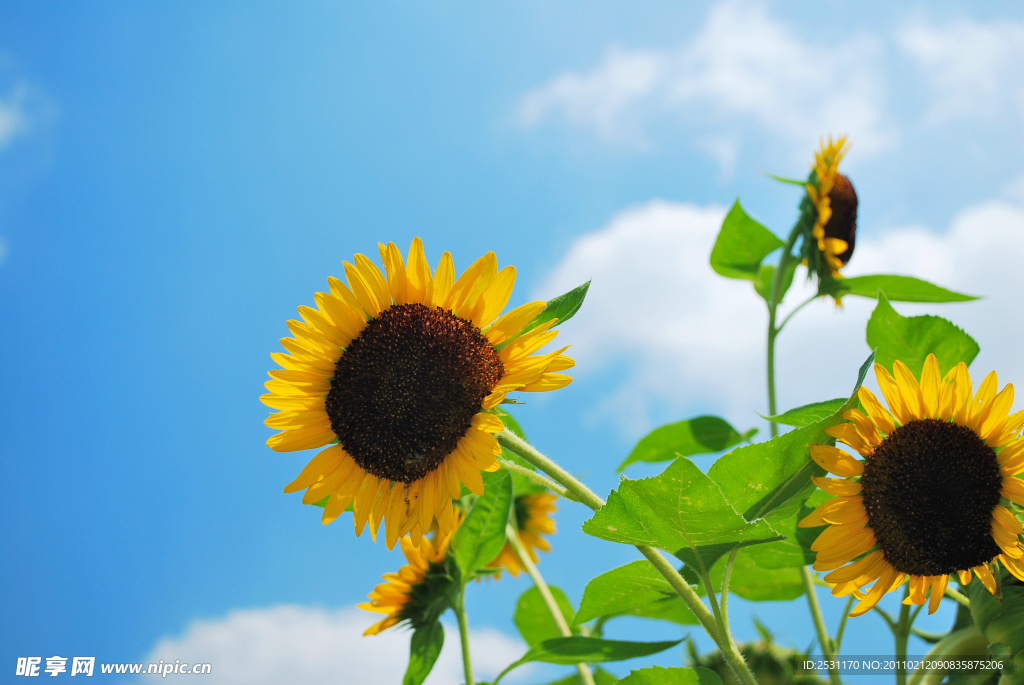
693, 341
969, 66
297, 645
742, 65
13, 114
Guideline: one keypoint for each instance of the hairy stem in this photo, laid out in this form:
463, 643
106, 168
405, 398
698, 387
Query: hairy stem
460, 614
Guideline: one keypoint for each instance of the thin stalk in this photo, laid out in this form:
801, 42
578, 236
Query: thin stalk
512, 536
725, 586
586, 496
958, 596
902, 635
837, 643
774, 296
538, 478
460, 614
827, 647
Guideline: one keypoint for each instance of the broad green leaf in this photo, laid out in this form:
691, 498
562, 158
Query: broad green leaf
681, 511
482, 534
562, 308
672, 609
700, 435
911, 338
622, 589
579, 649
809, 413
424, 648
659, 675
1001, 620
741, 245
533, 618
765, 276
601, 677
772, 480
896, 288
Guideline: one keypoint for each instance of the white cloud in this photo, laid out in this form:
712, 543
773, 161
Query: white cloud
742, 65
691, 339
299, 645
972, 68
14, 119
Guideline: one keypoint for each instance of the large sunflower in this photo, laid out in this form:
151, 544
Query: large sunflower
927, 501
533, 519
833, 202
417, 593
401, 373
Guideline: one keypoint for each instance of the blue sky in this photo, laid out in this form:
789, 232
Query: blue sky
176, 179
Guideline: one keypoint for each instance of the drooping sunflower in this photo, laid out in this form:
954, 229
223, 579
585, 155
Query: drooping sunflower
417, 593
533, 519
399, 374
930, 499
831, 203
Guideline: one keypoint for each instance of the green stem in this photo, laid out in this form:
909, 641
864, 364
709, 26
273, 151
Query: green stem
512, 536
586, 496
460, 614
774, 295
958, 596
902, 635
800, 306
827, 647
725, 586
837, 643
538, 478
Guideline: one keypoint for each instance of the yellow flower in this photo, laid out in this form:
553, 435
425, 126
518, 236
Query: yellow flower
416, 593
401, 372
834, 202
532, 519
927, 500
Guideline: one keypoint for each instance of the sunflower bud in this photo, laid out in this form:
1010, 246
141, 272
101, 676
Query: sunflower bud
842, 225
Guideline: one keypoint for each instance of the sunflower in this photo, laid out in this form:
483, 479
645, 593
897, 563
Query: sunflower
399, 375
532, 519
833, 202
927, 501
418, 593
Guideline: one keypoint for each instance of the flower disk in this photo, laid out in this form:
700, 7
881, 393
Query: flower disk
927, 501
398, 372
407, 389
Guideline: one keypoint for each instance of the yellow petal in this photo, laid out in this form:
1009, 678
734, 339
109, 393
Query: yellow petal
835, 460
836, 486
881, 418
494, 298
930, 387
319, 466
420, 283
910, 391
938, 590
512, 322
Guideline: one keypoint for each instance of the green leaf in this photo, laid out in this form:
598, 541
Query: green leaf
809, 413
896, 288
911, 338
659, 675
701, 435
741, 245
579, 649
765, 276
562, 308
482, 534
622, 589
1001, 618
681, 511
424, 648
771, 481
533, 618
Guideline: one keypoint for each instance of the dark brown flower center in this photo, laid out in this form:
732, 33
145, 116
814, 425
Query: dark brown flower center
843, 222
929, 491
407, 388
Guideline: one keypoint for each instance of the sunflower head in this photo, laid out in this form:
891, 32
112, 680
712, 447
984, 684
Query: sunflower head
829, 211
934, 494
533, 519
420, 591
397, 374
